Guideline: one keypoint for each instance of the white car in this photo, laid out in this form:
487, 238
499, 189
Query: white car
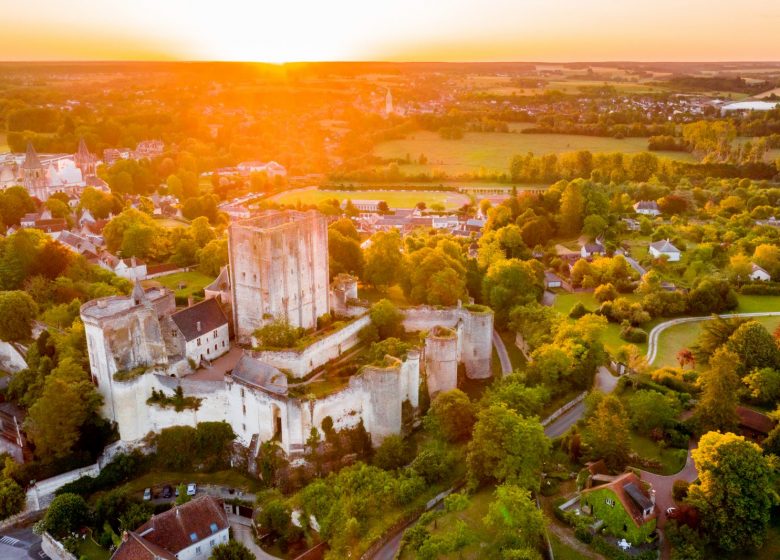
671, 511
147, 494
192, 489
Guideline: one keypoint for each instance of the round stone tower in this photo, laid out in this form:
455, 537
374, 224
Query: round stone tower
441, 360
477, 340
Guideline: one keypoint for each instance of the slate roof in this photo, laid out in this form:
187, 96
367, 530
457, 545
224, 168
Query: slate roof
754, 420
208, 314
646, 205
170, 532
664, 246
253, 372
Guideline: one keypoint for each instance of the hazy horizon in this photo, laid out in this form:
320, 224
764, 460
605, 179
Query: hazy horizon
404, 31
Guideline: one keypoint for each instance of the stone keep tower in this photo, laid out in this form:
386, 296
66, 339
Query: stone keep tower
278, 268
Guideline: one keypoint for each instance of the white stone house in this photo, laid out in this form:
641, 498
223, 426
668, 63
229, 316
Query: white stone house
647, 208
186, 532
664, 248
204, 329
758, 274
132, 269
593, 249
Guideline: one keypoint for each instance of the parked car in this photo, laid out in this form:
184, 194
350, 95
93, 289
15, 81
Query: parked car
167, 491
147, 494
670, 512
192, 489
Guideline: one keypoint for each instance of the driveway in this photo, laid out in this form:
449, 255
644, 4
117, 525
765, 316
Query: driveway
663, 485
242, 532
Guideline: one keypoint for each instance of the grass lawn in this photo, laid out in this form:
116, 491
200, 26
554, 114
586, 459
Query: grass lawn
232, 479
754, 304
672, 460
564, 301
90, 550
170, 223
562, 551
472, 517
492, 151
394, 199
192, 282
677, 337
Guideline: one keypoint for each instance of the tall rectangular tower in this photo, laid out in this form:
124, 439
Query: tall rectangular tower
278, 268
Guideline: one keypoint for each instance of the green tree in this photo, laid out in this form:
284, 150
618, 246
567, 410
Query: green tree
213, 257
392, 453
386, 318
231, 550
517, 522
384, 260
12, 498
607, 434
499, 448
68, 401
763, 384
451, 415
17, 312
754, 346
652, 410
345, 254
572, 208
734, 492
509, 283
717, 408
201, 231
66, 514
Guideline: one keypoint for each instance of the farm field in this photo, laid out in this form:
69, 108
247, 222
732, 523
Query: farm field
3, 143
170, 223
192, 283
492, 151
394, 199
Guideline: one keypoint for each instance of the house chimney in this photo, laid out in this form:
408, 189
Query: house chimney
125, 536
197, 326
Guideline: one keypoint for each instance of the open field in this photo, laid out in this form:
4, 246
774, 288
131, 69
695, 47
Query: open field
492, 151
3, 143
394, 199
677, 337
171, 223
192, 282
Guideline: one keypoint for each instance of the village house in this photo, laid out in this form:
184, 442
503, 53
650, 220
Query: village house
664, 248
185, 532
758, 274
647, 208
592, 249
625, 505
204, 329
552, 280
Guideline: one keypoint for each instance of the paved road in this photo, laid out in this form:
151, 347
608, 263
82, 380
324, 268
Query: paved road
393, 545
632, 261
503, 357
605, 382
20, 544
652, 341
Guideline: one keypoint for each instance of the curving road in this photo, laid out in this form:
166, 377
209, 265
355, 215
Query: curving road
503, 356
605, 382
652, 339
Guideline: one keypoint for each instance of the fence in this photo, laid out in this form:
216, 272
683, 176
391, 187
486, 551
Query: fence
564, 408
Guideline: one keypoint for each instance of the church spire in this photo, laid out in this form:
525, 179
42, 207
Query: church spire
31, 160
139, 295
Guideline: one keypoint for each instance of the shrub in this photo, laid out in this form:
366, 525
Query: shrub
66, 514
680, 490
583, 534
633, 334
579, 310
387, 318
279, 333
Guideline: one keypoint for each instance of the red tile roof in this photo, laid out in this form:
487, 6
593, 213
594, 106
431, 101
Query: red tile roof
618, 486
174, 530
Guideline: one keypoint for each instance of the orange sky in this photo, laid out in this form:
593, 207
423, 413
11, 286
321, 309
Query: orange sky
446, 30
